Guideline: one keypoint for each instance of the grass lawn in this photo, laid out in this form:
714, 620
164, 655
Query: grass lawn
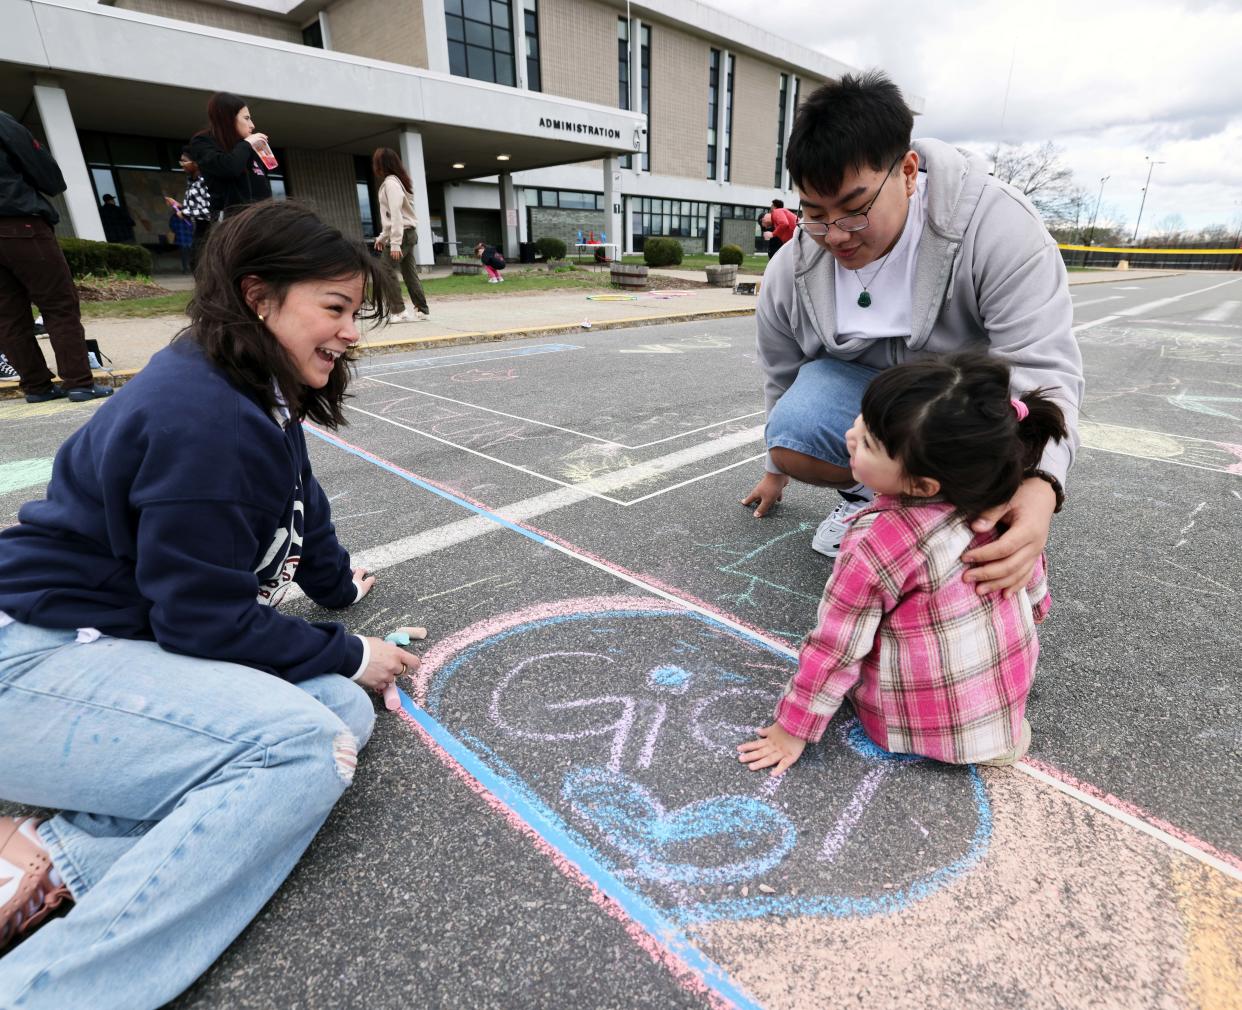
540, 280
699, 261
138, 308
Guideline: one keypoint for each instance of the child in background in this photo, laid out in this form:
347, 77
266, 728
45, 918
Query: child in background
931, 667
182, 228
493, 262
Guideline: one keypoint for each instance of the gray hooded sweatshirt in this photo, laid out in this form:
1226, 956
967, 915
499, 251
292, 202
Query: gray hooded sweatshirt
989, 277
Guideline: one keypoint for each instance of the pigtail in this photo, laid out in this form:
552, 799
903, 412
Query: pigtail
1044, 421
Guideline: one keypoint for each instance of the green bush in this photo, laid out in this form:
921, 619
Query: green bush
550, 248
731, 254
127, 259
87, 257
662, 252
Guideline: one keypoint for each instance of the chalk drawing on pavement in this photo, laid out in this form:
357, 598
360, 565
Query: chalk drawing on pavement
618, 718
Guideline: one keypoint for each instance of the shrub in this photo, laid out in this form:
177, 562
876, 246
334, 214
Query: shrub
87, 257
731, 254
550, 248
84, 256
127, 259
662, 252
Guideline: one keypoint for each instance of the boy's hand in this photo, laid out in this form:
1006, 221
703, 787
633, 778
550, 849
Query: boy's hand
767, 493
774, 747
1005, 565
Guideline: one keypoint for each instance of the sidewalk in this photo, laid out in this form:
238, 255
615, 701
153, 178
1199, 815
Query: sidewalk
131, 342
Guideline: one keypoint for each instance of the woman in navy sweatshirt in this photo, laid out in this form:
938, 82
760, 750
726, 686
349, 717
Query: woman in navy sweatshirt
194, 737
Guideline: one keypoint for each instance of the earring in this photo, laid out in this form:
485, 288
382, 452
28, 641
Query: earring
260, 315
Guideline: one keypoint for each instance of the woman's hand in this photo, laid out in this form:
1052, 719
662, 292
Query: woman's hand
394, 252
256, 138
1007, 562
767, 493
379, 242
774, 747
388, 662
364, 580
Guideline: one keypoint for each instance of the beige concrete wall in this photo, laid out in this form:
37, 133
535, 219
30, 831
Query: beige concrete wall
325, 181
578, 50
678, 127
247, 22
391, 30
756, 94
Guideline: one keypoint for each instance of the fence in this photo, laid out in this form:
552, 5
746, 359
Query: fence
1156, 259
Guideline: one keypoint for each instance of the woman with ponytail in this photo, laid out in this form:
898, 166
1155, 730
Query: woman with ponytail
930, 666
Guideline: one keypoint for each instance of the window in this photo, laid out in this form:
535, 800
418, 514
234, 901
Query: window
645, 88
623, 76
312, 34
713, 87
368, 199
565, 199
530, 21
480, 40
678, 218
779, 173
728, 125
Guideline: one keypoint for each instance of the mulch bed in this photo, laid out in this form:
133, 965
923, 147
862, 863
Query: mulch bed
115, 289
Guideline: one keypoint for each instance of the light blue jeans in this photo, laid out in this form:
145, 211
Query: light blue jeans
190, 790
813, 414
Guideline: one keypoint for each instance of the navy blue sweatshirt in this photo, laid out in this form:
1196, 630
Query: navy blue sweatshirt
179, 513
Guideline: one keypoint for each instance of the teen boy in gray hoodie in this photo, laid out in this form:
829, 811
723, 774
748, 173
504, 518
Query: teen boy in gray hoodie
905, 249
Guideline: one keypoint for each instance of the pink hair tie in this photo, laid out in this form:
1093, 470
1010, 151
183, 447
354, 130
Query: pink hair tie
1020, 408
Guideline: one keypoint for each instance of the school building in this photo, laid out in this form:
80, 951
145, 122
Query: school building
516, 118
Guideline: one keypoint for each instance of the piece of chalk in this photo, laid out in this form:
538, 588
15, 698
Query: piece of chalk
392, 698
403, 636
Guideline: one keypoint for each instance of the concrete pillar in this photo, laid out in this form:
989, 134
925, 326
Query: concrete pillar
437, 36
450, 220
518, 16
790, 109
613, 218
636, 83
62, 138
722, 91
713, 211
508, 216
629, 224
412, 155
325, 30
520, 193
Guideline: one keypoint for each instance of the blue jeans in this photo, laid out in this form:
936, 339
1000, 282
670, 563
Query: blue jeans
191, 788
815, 412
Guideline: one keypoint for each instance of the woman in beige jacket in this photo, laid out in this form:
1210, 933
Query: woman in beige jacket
398, 229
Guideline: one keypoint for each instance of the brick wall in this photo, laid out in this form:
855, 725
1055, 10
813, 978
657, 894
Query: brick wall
325, 181
678, 103
391, 30
578, 50
756, 94
565, 225
216, 17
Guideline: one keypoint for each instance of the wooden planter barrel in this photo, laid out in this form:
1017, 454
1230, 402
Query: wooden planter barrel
722, 276
467, 268
630, 276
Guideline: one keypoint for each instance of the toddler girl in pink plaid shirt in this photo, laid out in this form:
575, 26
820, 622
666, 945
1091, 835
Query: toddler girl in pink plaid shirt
930, 666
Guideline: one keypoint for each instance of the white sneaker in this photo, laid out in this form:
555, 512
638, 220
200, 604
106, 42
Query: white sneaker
493, 280
501, 278
405, 317
827, 539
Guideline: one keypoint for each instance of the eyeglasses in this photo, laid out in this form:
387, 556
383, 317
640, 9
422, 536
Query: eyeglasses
851, 222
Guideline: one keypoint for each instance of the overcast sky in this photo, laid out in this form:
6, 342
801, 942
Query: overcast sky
1111, 81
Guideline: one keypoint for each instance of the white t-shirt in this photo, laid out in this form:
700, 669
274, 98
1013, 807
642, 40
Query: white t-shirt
889, 280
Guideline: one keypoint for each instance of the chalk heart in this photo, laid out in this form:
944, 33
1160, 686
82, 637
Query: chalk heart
749, 836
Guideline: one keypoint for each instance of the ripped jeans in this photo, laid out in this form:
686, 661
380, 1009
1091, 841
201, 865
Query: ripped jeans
190, 788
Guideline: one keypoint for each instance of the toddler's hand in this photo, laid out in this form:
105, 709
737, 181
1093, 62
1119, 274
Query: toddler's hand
774, 747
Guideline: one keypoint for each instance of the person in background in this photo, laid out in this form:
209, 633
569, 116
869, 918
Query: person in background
224, 152
493, 262
117, 224
193, 737
399, 230
183, 232
780, 226
197, 204
33, 269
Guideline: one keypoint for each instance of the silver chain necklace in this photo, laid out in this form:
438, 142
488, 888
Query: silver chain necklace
864, 299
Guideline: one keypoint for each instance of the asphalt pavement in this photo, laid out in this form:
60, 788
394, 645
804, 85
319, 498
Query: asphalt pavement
556, 819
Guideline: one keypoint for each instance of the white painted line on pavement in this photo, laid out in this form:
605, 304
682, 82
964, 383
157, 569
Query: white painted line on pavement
1159, 303
1221, 314
469, 357
1097, 301
1094, 322
557, 427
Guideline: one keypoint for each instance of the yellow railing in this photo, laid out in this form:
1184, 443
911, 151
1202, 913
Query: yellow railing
1162, 252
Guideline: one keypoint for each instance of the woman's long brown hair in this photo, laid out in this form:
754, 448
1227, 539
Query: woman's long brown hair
281, 243
385, 162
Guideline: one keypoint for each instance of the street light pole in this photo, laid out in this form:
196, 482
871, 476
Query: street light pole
1150, 167
1098, 200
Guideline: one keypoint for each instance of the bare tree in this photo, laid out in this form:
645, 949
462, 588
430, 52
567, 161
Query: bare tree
1040, 175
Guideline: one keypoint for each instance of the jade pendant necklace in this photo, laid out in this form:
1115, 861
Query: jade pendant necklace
864, 299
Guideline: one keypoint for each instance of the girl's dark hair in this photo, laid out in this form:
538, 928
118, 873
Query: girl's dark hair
951, 419
860, 121
385, 162
222, 110
281, 243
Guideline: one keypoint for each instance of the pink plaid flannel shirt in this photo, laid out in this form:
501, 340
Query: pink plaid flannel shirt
931, 667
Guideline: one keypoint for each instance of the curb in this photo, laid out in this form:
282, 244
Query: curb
119, 376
